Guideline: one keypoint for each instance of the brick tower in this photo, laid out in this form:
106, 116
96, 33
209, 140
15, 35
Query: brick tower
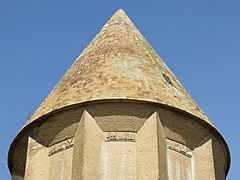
119, 113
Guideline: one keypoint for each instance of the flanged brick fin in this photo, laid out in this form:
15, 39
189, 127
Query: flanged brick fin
151, 150
119, 113
87, 149
119, 64
143, 156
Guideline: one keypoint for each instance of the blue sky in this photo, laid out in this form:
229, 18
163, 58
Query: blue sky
198, 40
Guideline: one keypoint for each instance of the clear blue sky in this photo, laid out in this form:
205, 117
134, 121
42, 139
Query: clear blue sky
199, 41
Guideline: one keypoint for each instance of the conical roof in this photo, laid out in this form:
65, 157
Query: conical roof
119, 64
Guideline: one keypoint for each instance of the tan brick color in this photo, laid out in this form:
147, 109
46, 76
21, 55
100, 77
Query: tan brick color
119, 113
119, 64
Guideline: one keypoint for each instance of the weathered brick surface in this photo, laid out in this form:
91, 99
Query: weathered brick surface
148, 149
145, 127
119, 64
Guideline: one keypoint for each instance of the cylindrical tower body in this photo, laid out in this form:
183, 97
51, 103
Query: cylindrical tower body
119, 113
